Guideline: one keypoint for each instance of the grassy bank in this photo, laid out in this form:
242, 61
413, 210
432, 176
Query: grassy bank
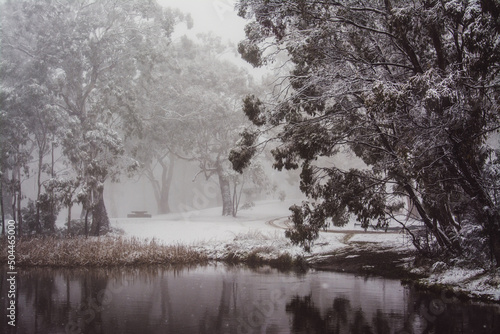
98, 252
119, 251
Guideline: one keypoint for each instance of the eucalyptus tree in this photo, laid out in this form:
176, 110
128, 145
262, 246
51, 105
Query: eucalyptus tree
154, 135
29, 100
91, 51
199, 117
410, 87
21, 98
15, 153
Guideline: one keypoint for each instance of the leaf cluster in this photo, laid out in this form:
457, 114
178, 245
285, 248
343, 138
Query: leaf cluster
409, 87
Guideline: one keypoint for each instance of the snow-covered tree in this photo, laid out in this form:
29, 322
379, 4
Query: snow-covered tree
91, 52
153, 136
410, 87
203, 110
15, 154
22, 96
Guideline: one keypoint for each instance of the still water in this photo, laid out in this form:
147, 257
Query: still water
232, 299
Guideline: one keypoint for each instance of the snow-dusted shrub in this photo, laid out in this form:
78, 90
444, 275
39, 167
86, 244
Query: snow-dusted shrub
43, 221
474, 243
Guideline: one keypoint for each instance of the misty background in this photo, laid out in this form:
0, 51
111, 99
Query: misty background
213, 28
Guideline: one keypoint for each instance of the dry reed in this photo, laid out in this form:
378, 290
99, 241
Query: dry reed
98, 251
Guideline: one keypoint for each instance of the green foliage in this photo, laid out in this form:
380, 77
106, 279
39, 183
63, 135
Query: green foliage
242, 156
47, 215
200, 118
303, 234
77, 227
253, 108
250, 53
29, 217
409, 87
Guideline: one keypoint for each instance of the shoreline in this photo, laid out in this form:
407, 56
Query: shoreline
358, 258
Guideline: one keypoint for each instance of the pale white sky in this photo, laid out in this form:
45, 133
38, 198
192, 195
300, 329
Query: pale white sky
217, 16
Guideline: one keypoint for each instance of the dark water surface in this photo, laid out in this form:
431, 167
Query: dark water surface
226, 299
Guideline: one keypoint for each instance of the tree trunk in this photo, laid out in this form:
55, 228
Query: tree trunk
100, 219
6, 195
162, 205
436, 230
69, 218
225, 190
52, 199
38, 225
161, 188
495, 246
86, 222
13, 193
487, 212
19, 199
441, 237
156, 188
492, 228
237, 197
166, 182
235, 200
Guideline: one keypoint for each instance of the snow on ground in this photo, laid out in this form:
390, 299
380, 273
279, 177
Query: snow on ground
203, 225
260, 227
474, 282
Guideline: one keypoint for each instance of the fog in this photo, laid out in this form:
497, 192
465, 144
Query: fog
215, 16
188, 193
168, 155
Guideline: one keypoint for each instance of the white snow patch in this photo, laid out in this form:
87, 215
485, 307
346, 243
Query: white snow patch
352, 256
475, 282
203, 225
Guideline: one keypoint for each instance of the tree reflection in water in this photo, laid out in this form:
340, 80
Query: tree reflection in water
227, 300
340, 318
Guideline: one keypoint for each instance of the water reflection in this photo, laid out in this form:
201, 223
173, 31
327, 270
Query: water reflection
222, 299
340, 318
428, 314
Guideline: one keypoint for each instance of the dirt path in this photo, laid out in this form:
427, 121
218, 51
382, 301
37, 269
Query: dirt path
284, 223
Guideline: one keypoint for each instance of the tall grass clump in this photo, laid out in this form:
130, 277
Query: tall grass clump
99, 251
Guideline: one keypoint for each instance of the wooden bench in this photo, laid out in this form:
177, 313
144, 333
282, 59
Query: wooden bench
139, 214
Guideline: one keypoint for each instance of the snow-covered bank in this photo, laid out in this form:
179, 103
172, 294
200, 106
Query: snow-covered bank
473, 283
258, 228
257, 234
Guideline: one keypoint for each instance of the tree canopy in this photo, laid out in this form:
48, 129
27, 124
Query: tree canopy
73, 66
191, 110
93, 90
410, 87
204, 110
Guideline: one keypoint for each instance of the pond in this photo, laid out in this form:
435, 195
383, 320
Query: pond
232, 299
